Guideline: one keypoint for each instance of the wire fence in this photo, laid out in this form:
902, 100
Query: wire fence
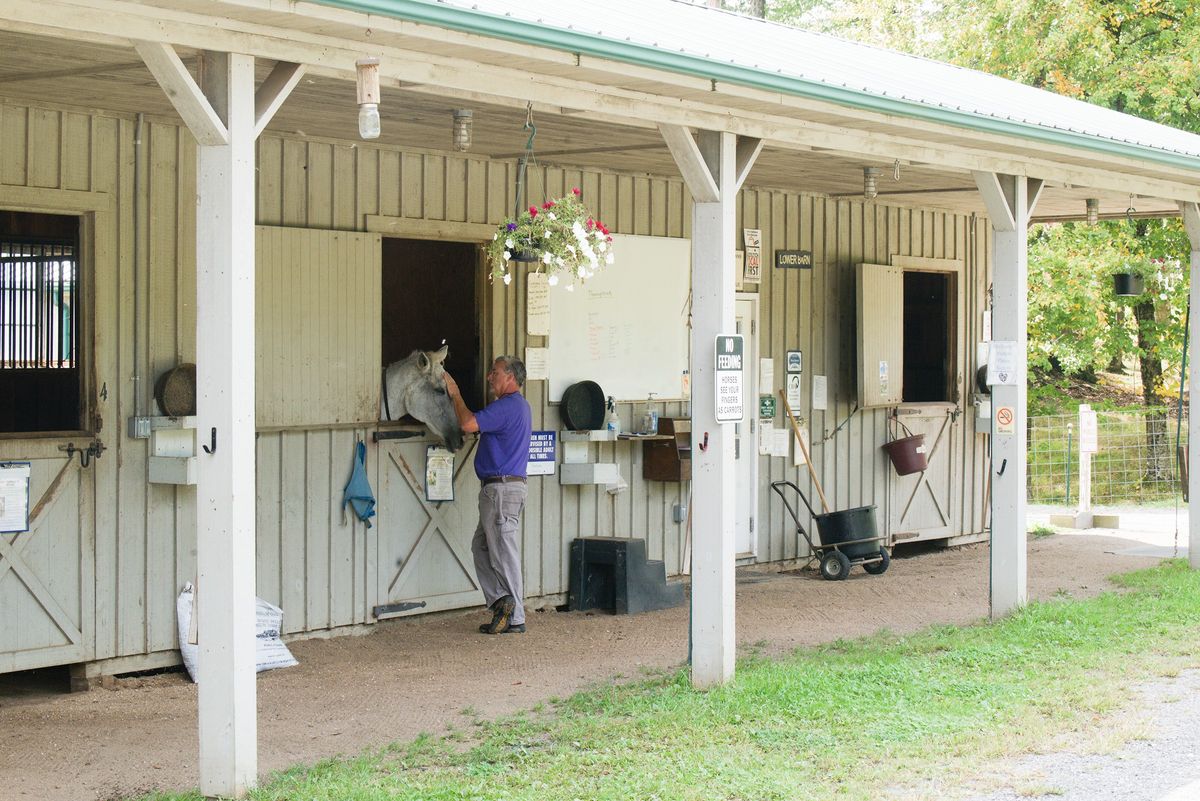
1135, 463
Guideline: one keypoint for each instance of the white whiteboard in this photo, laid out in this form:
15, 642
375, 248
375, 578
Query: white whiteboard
626, 327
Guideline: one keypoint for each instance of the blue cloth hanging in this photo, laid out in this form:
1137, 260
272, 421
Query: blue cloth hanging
358, 490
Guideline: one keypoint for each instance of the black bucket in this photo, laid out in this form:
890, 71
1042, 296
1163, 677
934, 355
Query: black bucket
845, 526
1128, 285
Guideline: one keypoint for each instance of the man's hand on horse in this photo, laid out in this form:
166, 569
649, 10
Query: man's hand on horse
452, 386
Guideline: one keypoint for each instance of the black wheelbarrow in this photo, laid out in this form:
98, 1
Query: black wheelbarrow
848, 537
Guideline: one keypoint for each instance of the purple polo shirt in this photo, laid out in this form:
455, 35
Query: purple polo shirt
505, 426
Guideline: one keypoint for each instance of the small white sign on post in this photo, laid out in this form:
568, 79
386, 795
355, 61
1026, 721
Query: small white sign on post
1088, 436
730, 392
1002, 365
1006, 420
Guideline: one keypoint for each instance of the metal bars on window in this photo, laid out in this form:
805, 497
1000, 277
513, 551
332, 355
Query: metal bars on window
38, 308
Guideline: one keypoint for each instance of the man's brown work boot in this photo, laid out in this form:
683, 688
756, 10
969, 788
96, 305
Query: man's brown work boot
501, 615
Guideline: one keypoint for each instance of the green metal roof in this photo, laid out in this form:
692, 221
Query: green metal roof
687, 39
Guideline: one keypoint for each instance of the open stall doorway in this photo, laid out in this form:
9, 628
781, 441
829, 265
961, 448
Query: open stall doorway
429, 294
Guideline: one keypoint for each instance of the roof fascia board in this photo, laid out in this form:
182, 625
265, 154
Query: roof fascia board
677, 81
980, 139
790, 134
316, 9
498, 27
107, 21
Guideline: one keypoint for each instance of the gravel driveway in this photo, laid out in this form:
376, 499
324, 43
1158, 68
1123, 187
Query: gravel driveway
1162, 765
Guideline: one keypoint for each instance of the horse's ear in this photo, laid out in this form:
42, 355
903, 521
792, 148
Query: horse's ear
423, 361
439, 355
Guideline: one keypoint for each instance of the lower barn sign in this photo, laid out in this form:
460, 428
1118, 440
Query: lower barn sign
794, 258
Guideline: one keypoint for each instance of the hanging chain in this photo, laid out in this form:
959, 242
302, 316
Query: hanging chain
526, 158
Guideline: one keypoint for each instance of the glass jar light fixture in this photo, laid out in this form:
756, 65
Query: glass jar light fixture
461, 131
367, 70
871, 182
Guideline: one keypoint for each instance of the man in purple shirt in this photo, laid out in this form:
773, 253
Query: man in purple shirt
504, 427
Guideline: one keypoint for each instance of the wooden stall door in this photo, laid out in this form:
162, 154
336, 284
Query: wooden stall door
47, 585
920, 503
424, 562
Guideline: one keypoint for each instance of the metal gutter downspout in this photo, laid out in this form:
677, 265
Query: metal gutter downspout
494, 26
138, 406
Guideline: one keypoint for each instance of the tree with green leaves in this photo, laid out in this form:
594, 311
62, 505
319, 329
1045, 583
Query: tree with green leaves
1134, 56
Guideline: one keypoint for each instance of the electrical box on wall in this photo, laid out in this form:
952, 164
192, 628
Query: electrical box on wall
983, 409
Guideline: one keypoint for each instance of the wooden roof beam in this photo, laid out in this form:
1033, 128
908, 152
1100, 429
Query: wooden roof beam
183, 92
273, 91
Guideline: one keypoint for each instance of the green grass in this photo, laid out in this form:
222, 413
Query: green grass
845, 721
1040, 531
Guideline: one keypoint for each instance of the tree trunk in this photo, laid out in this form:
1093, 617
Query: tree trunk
1158, 441
757, 8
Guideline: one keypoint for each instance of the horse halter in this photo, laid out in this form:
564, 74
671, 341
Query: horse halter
387, 412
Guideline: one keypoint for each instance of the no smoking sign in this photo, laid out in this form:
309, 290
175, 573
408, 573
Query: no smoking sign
1005, 420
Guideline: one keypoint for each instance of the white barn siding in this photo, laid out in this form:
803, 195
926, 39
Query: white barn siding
324, 569
317, 327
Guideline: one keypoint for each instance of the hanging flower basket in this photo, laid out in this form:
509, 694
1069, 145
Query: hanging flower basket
561, 238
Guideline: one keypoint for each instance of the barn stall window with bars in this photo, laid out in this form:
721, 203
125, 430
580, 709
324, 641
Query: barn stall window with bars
40, 313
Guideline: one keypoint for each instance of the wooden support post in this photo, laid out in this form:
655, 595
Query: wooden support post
1010, 200
713, 164
225, 115
1191, 223
713, 558
225, 490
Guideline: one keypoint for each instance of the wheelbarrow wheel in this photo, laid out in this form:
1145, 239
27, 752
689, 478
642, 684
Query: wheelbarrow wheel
835, 566
875, 568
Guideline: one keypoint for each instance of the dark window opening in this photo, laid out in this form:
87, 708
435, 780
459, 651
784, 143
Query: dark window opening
429, 295
40, 319
928, 337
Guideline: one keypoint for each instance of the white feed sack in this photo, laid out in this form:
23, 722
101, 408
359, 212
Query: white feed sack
269, 650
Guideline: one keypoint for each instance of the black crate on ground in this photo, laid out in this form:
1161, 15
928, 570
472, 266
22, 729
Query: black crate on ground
612, 573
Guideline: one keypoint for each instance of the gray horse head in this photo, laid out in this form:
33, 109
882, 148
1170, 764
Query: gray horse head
414, 385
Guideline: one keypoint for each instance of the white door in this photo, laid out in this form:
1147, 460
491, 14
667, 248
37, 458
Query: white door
47, 574
920, 507
425, 562
745, 445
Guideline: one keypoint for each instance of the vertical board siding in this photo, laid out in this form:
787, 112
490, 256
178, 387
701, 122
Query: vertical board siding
814, 311
323, 567
316, 327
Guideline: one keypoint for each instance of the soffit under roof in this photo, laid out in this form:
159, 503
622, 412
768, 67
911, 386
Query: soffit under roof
110, 77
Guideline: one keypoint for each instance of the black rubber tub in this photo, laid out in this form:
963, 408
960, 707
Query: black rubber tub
846, 526
582, 406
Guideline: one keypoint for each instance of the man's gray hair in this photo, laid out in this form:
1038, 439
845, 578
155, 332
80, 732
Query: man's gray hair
515, 366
